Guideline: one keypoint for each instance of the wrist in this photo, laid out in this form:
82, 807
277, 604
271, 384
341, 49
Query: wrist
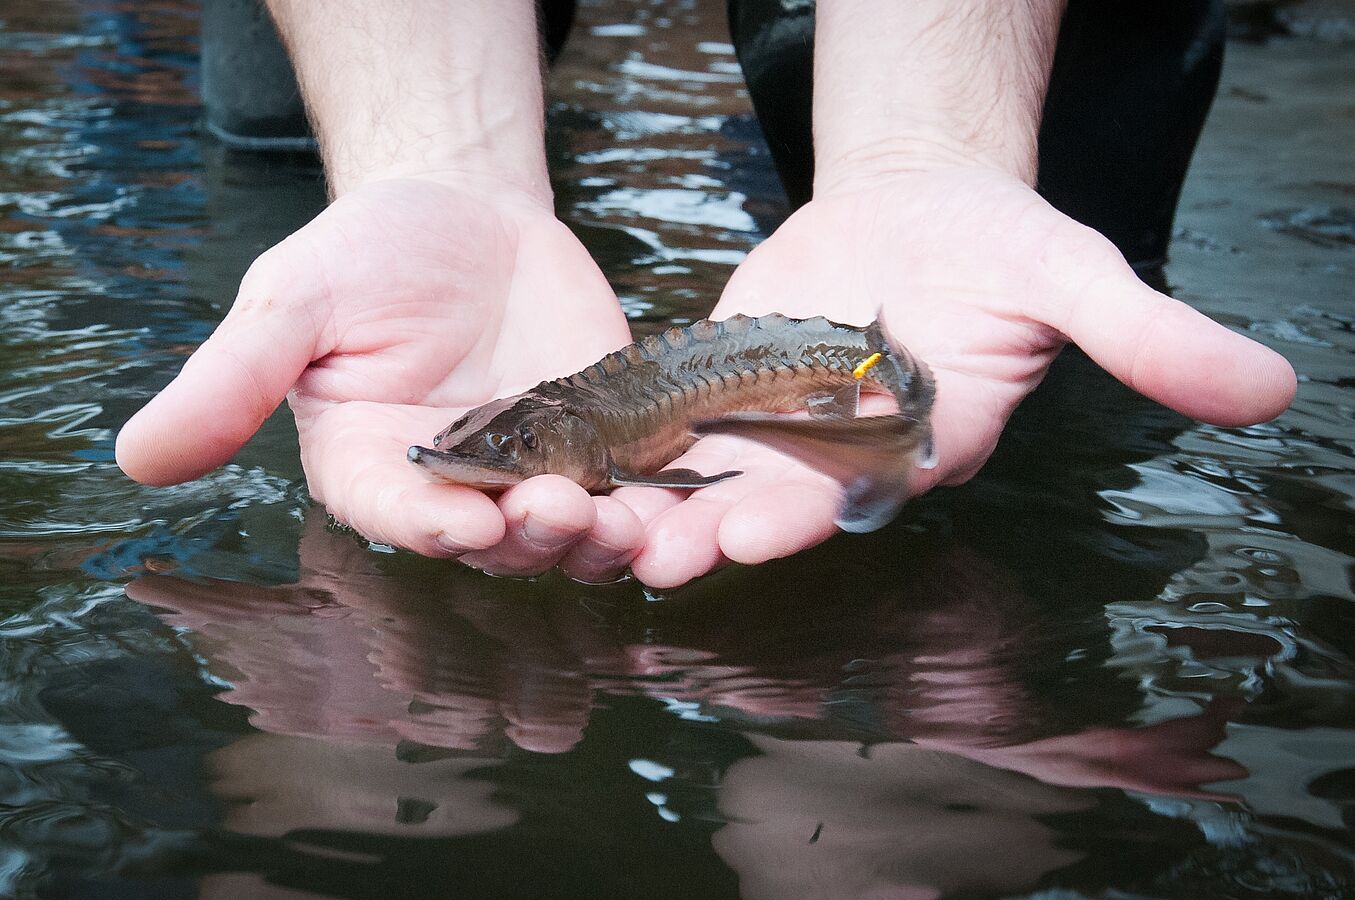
880, 161
484, 168
454, 186
421, 87
928, 85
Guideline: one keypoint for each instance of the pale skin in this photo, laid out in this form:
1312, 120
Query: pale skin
440, 279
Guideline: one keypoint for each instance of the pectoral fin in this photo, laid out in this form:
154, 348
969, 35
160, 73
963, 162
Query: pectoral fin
841, 404
669, 478
871, 456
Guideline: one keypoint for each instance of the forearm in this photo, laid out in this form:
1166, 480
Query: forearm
447, 88
929, 83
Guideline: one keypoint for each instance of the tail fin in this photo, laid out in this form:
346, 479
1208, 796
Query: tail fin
906, 376
910, 381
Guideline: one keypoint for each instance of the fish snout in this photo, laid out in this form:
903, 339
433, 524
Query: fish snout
458, 469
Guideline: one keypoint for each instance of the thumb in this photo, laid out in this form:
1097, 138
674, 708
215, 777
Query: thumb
226, 389
1161, 347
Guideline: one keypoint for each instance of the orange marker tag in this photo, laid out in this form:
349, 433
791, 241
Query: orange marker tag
860, 371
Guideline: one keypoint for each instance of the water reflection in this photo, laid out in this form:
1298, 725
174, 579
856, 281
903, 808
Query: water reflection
897, 728
1118, 663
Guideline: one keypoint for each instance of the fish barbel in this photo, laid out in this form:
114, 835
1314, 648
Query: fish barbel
619, 421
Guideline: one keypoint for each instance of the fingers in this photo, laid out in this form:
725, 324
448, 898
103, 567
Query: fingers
762, 521
1159, 346
228, 386
682, 544
779, 520
609, 546
354, 455
775, 509
544, 518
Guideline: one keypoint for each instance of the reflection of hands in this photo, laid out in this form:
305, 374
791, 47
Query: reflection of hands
448, 658
984, 281
1170, 757
934, 818
401, 305
353, 653
819, 820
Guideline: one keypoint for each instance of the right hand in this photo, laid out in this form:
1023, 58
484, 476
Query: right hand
403, 304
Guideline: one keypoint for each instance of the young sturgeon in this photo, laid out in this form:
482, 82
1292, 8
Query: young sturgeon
638, 409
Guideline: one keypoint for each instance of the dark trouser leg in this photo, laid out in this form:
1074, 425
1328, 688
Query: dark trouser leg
774, 40
1132, 82
249, 92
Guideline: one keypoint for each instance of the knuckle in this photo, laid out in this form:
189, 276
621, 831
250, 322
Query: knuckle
1074, 254
261, 283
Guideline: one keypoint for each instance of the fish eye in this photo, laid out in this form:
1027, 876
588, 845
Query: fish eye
497, 442
529, 438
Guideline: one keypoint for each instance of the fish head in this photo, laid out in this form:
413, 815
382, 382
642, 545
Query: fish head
506, 441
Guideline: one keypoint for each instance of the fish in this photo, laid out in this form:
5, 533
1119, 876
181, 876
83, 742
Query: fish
622, 419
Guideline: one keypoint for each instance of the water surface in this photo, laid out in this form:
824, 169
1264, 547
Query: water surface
1119, 663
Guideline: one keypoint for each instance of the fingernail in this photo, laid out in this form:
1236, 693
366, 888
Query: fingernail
545, 535
449, 544
606, 558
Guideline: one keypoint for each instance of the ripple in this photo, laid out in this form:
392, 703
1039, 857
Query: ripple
673, 205
1325, 226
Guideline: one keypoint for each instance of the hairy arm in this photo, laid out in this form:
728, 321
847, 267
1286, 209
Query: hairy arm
443, 88
903, 86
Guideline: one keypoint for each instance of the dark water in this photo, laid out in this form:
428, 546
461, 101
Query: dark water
1120, 663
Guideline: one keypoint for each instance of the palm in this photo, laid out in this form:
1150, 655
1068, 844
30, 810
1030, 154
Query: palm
438, 297
382, 320
440, 302
949, 268
980, 278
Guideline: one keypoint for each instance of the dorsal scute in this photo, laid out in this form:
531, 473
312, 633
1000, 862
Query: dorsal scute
634, 354
703, 330
654, 345
737, 324
820, 322
676, 338
614, 363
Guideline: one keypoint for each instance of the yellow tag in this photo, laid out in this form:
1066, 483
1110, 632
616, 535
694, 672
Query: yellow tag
860, 371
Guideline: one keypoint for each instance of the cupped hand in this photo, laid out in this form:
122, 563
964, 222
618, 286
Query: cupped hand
974, 273
385, 318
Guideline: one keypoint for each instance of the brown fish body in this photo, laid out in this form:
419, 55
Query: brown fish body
623, 418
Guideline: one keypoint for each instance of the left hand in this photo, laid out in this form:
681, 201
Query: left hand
979, 277
403, 304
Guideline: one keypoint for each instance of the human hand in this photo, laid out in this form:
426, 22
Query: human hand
401, 305
975, 274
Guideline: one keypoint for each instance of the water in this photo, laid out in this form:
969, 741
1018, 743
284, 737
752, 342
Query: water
1118, 663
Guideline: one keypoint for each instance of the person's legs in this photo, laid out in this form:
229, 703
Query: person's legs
1132, 82
1131, 86
249, 94
774, 40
